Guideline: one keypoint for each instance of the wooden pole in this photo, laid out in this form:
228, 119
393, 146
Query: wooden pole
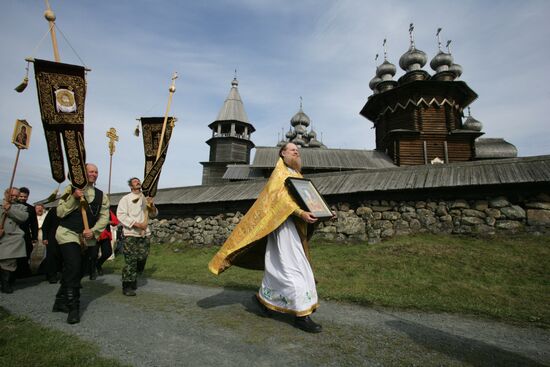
110, 170
8, 195
172, 89
50, 17
113, 137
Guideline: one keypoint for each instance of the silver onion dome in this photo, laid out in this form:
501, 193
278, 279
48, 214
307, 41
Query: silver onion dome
386, 70
314, 143
456, 69
300, 118
374, 82
299, 141
300, 129
413, 59
441, 62
471, 123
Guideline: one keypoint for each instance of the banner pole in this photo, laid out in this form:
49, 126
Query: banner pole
50, 17
8, 195
172, 89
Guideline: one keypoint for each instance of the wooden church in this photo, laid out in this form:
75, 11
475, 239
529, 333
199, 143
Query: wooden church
418, 118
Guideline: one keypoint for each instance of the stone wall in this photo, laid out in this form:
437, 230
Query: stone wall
375, 220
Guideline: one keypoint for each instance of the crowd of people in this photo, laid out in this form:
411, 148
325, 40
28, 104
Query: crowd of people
73, 239
78, 236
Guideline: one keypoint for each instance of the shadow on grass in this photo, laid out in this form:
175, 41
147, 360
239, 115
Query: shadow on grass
470, 351
91, 291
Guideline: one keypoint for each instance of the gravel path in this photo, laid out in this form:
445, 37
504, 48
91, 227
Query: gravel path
170, 324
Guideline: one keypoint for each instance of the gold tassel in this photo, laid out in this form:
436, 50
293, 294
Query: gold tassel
21, 87
136, 131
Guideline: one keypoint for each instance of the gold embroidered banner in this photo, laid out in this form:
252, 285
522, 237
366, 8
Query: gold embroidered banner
152, 130
61, 96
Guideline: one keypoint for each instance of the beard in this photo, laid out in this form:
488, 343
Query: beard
293, 162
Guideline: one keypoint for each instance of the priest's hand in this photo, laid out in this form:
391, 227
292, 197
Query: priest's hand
308, 217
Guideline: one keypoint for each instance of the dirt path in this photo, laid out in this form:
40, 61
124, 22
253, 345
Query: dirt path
170, 324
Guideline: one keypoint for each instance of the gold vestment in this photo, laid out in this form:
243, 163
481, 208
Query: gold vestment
245, 247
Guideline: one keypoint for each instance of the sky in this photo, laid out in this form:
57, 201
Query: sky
320, 50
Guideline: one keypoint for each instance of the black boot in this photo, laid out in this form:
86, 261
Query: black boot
305, 323
5, 279
99, 270
60, 304
52, 278
141, 266
127, 289
73, 303
133, 285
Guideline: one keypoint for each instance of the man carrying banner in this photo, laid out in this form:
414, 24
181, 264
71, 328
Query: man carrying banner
12, 243
131, 212
72, 234
273, 235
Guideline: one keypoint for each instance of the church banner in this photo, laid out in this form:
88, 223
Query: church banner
61, 95
152, 130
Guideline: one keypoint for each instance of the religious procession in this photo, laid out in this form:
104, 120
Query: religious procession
72, 233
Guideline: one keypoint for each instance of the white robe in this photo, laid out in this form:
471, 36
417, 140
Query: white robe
288, 284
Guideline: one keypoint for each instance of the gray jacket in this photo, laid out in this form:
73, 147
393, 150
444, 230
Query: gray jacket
12, 243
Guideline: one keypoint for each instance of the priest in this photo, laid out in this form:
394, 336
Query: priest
273, 236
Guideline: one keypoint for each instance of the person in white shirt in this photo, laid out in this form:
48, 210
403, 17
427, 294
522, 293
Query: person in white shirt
133, 212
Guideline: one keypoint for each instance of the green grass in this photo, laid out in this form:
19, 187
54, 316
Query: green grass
25, 343
504, 278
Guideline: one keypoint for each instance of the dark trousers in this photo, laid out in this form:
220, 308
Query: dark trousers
72, 265
53, 259
23, 268
106, 251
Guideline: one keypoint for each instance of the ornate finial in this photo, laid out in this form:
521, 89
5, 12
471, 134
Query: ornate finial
385, 50
301, 100
235, 82
172, 88
438, 38
111, 134
49, 14
469, 113
448, 47
411, 34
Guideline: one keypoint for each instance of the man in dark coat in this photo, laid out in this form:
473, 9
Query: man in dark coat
30, 228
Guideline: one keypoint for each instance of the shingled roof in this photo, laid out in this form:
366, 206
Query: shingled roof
524, 170
494, 148
335, 159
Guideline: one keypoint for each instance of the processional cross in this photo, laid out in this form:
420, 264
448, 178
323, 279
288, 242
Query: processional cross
113, 137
